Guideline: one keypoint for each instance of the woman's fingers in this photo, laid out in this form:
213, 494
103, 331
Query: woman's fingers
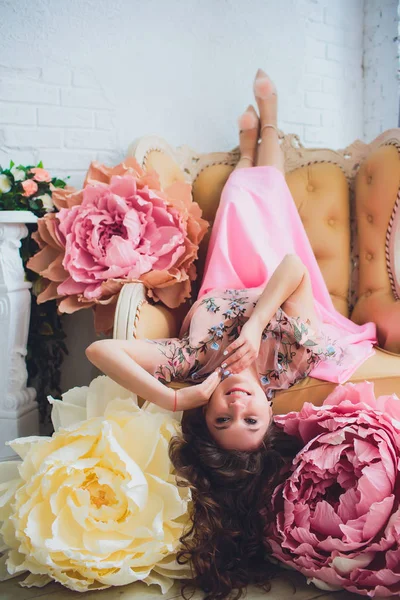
211, 382
235, 356
233, 346
241, 360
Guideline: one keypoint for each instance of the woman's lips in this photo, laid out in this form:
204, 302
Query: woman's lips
237, 389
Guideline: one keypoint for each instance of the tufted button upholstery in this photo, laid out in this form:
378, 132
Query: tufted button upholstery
207, 189
376, 189
321, 194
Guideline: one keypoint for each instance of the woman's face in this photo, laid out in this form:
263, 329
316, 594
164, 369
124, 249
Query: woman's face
237, 420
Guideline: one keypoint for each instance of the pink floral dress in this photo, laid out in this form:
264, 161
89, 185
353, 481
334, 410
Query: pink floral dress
289, 347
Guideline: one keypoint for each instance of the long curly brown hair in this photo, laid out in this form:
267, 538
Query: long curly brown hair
225, 544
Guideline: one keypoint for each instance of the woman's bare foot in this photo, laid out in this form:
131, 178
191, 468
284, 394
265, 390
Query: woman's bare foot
267, 98
249, 129
269, 152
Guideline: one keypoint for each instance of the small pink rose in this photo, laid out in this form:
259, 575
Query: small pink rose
30, 187
41, 175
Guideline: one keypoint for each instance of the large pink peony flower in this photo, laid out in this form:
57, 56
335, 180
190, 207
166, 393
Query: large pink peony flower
122, 227
337, 516
117, 232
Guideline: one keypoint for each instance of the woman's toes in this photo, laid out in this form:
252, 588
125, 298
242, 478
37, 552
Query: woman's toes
263, 86
266, 96
248, 120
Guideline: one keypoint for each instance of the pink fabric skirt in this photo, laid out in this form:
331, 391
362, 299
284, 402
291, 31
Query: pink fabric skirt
256, 225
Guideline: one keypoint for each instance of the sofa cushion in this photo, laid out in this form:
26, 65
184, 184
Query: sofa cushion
383, 369
377, 187
207, 189
321, 194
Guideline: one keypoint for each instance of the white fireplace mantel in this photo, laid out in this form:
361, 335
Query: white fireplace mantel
18, 408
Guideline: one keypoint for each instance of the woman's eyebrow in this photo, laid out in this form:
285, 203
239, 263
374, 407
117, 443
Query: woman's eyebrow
227, 427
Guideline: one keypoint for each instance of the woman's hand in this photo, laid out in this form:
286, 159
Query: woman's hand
198, 395
244, 350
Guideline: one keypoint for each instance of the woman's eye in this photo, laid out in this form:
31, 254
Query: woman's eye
222, 419
251, 421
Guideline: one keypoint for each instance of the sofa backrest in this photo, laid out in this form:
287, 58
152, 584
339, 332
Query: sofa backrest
330, 191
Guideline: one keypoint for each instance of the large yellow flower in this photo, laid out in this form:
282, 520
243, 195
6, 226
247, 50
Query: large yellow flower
96, 504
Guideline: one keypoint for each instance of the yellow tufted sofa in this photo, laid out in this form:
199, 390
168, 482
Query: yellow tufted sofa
349, 204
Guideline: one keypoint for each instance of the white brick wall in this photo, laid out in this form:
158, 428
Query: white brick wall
381, 51
327, 111
64, 104
58, 115
80, 81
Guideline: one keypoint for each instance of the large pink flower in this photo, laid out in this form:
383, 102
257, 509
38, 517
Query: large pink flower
337, 516
122, 227
118, 232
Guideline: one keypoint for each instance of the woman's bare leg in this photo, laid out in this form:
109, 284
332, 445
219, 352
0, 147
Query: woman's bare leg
249, 131
269, 151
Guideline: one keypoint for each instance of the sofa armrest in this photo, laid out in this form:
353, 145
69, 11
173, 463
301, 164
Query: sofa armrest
135, 317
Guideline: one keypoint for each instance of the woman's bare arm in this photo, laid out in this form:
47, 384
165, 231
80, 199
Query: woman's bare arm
130, 364
283, 282
289, 281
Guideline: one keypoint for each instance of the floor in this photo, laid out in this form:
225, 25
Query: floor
289, 586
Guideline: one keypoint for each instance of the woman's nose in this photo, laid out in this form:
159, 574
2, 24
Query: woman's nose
237, 406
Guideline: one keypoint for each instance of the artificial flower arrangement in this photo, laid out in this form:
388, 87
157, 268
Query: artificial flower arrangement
97, 504
28, 188
121, 227
336, 518
31, 188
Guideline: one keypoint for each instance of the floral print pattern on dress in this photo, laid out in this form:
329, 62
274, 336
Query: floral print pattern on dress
294, 339
289, 347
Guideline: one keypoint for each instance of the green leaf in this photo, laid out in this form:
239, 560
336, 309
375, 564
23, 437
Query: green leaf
59, 183
12, 163
297, 333
40, 165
